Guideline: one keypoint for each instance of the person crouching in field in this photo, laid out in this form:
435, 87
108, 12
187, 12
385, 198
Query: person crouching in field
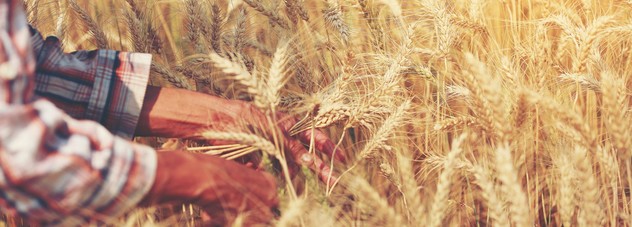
66, 121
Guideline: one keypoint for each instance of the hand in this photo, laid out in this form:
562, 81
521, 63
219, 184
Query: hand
253, 119
177, 113
224, 189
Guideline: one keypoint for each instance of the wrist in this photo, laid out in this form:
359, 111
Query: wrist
176, 181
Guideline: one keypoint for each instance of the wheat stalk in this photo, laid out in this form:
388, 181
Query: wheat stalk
615, 102
381, 136
93, 27
494, 203
590, 212
584, 80
410, 187
273, 16
216, 29
569, 117
277, 76
333, 17
591, 36
241, 75
487, 103
254, 141
511, 187
382, 210
167, 74
439, 206
295, 211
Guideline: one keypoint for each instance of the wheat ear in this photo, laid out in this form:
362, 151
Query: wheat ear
588, 195
438, 206
273, 16
242, 76
494, 204
93, 27
511, 187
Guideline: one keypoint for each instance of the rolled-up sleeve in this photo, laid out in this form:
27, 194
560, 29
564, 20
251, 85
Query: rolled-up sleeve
105, 86
55, 170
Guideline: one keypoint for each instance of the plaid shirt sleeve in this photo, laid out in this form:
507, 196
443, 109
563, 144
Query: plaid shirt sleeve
105, 86
55, 169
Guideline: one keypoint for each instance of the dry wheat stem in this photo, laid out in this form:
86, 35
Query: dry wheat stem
410, 188
382, 210
241, 75
245, 139
590, 212
438, 206
239, 153
379, 138
277, 75
566, 189
385, 132
495, 205
511, 187
615, 102
218, 147
227, 150
591, 36
295, 211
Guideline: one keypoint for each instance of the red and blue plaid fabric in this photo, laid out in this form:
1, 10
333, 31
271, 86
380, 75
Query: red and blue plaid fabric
55, 169
105, 86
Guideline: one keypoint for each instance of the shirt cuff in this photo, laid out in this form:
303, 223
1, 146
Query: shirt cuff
140, 178
119, 88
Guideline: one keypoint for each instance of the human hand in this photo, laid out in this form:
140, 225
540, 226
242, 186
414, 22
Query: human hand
177, 113
224, 189
253, 119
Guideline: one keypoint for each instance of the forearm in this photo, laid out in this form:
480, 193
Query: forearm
179, 113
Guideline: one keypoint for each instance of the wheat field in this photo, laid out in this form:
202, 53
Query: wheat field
452, 113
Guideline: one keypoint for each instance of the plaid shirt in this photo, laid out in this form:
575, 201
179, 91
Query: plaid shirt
55, 169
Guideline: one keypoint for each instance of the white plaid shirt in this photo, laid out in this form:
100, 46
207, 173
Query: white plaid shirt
55, 169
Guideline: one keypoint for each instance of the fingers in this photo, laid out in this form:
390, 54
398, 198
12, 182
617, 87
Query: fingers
218, 217
257, 209
323, 144
272, 201
255, 118
239, 192
313, 162
252, 216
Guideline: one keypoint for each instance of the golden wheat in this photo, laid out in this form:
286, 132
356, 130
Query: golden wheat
539, 87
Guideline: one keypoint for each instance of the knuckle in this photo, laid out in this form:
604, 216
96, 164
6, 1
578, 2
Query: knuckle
307, 159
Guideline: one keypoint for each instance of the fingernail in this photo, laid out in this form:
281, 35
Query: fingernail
306, 158
325, 172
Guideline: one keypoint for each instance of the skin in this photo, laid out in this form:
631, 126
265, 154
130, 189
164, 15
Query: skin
223, 188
